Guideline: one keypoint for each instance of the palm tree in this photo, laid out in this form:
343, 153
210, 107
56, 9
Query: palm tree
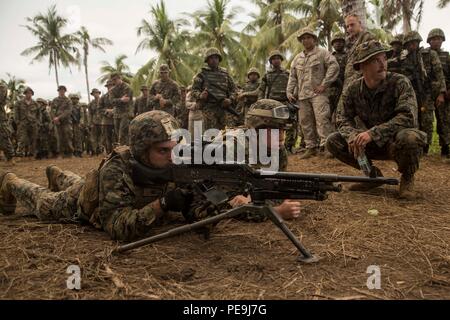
443, 3
408, 10
15, 87
87, 42
214, 26
119, 66
58, 48
163, 35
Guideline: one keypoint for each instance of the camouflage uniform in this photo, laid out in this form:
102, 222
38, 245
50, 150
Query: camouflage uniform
106, 198
5, 133
308, 71
45, 132
108, 135
26, 115
249, 94
122, 111
335, 90
350, 73
394, 64
182, 111
169, 90
386, 112
141, 105
96, 123
220, 86
443, 112
424, 70
77, 116
63, 111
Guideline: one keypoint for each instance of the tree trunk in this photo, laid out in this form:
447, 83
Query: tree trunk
55, 61
87, 78
406, 18
355, 6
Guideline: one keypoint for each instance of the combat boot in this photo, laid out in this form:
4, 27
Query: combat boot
367, 186
407, 187
52, 173
7, 200
309, 154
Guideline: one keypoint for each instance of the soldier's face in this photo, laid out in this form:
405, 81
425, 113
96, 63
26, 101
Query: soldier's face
397, 47
413, 45
28, 95
164, 75
116, 81
309, 42
62, 93
338, 45
436, 43
353, 26
96, 95
276, 62
160, 154
375, 68
253, 77
145, 93
213, 61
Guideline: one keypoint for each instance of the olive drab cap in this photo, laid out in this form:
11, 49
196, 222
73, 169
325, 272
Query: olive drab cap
367, 50
62, 88
306, 31
275, 53
337, 36
109, 83
95, 91
253, 70
412, 36
164, 68
149, 128
212, 52
267, 113
436, 33
397, 39
43, 101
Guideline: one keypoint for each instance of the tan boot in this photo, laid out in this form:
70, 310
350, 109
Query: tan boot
309, 154
407, 187
7, 200
359, 186
52, 173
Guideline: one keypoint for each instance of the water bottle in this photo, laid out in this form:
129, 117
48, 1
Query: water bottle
364, 164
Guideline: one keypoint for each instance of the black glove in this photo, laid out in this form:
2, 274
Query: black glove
177, 200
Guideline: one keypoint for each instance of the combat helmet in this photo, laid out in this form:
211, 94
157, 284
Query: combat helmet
253, 70
74, 96
43, 101
306, 31
275, 53
212, 52
267, 113
436, 33
149, 128
337, 36
397, 39
412, 36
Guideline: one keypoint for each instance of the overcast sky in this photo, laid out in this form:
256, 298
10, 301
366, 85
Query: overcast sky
116, 20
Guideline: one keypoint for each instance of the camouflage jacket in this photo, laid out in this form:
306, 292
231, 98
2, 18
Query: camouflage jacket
45, 121
250, 91
104, 104
350, 73
121, 109
62, 107
219, 85
26, 112
124, 209
394, 64
434, 71
169, 90
95, 112
3, 99
384, 111
273, 85
341, 58
444, 57
141, 105
310, 70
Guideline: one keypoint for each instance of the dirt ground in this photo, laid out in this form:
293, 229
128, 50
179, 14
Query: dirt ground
408, 240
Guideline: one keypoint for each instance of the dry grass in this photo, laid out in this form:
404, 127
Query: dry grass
408, 240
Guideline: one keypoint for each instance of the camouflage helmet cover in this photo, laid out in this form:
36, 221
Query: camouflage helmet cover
306, 31
436, 33
260, 115
275, 53
253, 70
28, 89
412, 36
212, 52
397, 39
164, 68
337, 36
367, 50
149, 128
43, 101
74, 96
